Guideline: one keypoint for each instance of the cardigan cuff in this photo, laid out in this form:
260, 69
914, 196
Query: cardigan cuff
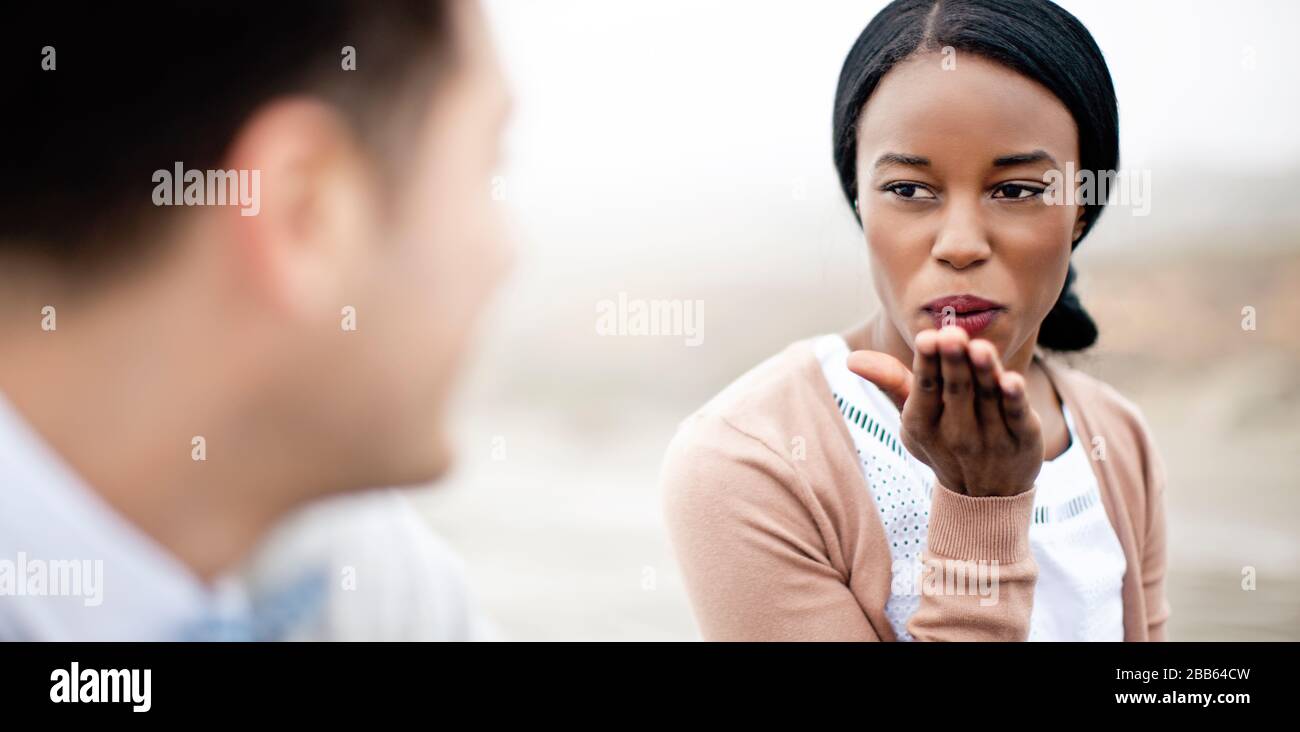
984, 528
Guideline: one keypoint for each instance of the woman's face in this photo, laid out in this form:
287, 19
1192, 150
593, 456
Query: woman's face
951, 166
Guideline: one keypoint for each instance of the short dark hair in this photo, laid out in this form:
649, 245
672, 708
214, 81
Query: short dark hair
141, 85
1035, 38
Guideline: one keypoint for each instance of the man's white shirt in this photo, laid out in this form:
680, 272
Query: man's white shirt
72, 568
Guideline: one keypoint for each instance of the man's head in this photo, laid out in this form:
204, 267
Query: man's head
332, 321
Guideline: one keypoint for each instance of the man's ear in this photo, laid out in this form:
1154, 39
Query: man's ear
296, 246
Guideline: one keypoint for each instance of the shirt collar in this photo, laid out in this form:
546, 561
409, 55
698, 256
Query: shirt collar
77, 569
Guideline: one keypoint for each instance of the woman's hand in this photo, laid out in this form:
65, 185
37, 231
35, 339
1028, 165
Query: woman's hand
963, 415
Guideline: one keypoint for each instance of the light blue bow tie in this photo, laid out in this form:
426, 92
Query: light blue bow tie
270, 616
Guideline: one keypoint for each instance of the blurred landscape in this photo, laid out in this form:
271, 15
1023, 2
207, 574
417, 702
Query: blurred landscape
727, 198
556, 505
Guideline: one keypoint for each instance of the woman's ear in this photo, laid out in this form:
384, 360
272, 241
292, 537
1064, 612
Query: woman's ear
1079, 226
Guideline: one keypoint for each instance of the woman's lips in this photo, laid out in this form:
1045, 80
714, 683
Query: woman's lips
972, 322
968, 312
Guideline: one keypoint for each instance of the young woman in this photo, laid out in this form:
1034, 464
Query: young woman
930, 475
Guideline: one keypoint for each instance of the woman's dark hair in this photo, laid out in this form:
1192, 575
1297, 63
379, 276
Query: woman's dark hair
1035, 38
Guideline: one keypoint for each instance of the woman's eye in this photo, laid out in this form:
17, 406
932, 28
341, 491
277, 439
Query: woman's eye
910, 191
1017, 191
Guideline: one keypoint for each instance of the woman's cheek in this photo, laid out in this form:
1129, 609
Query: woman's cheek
886, 270
1046, 268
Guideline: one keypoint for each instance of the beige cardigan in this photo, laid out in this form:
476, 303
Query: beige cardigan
778, 537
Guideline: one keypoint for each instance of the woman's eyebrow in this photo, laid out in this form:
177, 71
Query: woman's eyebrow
1022, 158
893, 158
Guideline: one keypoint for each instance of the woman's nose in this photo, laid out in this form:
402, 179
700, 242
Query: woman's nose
962, 239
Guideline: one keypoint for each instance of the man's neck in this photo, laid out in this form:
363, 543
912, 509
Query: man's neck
122, 400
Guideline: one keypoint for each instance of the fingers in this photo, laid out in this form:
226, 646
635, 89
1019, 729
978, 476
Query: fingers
959, 423
1020, 419
885, 371
927, 379
988, 394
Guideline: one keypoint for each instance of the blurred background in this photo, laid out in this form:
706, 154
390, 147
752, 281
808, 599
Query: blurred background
674, 150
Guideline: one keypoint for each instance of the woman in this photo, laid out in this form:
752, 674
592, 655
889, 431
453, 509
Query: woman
930, 475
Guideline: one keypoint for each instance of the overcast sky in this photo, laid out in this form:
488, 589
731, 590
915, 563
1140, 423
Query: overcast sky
662, 114
656, 83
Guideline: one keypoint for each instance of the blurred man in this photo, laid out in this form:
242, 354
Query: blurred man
241, 256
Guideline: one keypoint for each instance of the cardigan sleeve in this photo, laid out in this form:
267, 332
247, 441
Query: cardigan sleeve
751, 554
978, 536
752, 541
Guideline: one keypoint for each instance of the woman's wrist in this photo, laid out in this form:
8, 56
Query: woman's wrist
1002, 491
